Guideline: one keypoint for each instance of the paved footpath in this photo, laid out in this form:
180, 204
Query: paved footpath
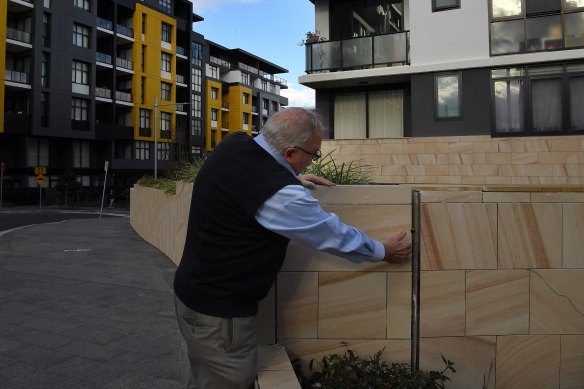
86, 304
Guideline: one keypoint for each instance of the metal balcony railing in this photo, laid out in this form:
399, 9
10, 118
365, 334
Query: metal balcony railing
180, 50
180, 78
123, 96
18, 35
358, 53
103, 92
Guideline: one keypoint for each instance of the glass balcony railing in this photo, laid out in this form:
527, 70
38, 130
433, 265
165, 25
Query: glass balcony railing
180, 78
126, 31
18, 35
103, 58
124, 63
123, 96
180, 50
16, 76
105, 24
358, 53
103, 92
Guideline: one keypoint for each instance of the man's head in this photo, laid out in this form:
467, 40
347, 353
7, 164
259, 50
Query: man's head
296, 133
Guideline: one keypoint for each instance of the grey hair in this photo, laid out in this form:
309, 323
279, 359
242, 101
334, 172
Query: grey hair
291, 127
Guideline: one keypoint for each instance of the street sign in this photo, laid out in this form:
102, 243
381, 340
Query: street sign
40, 179
40, 170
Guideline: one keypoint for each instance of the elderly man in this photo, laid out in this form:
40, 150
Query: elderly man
249, 200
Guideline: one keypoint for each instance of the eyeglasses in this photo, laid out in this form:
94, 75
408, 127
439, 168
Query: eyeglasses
315, 156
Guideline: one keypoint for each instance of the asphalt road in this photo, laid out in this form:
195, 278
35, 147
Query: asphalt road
10, 219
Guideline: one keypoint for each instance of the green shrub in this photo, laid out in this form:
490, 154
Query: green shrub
187, 173
336, 371
166, 185
352, 173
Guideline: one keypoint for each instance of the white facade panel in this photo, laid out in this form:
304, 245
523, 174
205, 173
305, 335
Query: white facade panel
448, 36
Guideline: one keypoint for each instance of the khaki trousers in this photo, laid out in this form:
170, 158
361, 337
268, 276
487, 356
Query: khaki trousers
222, 351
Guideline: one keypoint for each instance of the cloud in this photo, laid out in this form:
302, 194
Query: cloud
207, 5
299, 96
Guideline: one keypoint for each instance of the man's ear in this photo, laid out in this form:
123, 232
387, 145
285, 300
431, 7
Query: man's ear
289, 153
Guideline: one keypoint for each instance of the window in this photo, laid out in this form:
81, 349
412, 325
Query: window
197, 52
46, 30
198, 106
213, 71
80, 35
81, 4
264, 85
165, 91
447, 96
163, 151
197, 80
274, 106
166, 33
213, 114
142, 89
79, 109
246, 98
165, 62
45, 70
142, 150
265, 104
80, 73
165, 121
197, 128
37, 152
442, 5
144, 118
144, 23
80, 153
165, 5
538, 100
44, 109
245, 78
527, 26
369, 114
143, 58
214, 93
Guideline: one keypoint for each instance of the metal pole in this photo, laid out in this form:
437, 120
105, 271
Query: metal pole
104, 182
40, 196
415, 325
156, 137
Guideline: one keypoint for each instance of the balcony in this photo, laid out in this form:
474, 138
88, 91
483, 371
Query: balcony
17, 77
126, 32
123, 98
103, 94
105, 24
18, 35
358, 53
16, 123
103, 59
125, 64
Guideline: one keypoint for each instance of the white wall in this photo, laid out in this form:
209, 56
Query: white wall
448, 36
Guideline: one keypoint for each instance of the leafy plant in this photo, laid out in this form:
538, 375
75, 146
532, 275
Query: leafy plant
335, 371
352, 173
187, 173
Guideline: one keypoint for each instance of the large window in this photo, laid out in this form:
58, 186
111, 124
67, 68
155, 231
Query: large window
80, 35
79, 109
144, 118
165, 62
80, 73
45, 70
447, 96
357, 18
519, 26
442, 5
539, 99
373, 114
142, 150
166, 33
165, 121
82, 4
80, 153
197, 52
165, 91
165, 5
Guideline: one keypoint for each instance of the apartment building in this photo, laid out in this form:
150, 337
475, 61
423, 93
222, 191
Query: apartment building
393, 68
83, 82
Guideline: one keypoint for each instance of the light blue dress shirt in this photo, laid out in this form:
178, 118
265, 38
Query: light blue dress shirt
294, 213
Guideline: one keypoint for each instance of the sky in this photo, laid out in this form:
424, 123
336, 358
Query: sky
271, 30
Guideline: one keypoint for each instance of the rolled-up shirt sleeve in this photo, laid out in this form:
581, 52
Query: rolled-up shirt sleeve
294, 213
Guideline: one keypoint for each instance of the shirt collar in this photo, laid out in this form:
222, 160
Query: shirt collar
261, 141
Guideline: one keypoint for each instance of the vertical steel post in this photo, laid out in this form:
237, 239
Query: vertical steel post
415, 324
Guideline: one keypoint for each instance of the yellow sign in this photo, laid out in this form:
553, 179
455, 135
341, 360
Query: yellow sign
40, 170
40, 179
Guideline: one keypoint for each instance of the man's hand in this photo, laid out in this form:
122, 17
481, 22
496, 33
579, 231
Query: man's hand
310, 181
396, 249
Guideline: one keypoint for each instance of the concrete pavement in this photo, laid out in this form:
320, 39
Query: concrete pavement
86, 304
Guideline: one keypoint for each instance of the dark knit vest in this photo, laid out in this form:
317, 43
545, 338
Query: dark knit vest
230, 261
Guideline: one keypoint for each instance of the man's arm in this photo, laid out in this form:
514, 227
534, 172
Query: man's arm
294, 213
